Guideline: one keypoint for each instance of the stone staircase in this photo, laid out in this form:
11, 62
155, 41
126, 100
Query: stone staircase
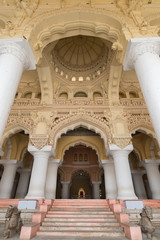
80, 219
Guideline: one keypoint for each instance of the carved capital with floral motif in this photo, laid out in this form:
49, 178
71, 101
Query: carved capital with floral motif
39, 140
122, 142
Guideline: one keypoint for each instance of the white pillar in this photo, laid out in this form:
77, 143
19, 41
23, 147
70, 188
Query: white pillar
23, 183
65, 190
7, 180
123, 172
39, 171
51, 181
143, 56
153, 177
110, 179
15, 57
96, 194
139, 184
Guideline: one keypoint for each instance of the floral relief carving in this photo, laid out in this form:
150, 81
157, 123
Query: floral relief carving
138, 119
39, 140
80, 115
122, 142
20, 118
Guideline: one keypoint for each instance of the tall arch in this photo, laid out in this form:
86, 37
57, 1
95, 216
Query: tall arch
100, 127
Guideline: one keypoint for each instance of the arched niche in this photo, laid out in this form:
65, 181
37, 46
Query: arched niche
133, 94
80, 94
63, 95
122, 94
97, 95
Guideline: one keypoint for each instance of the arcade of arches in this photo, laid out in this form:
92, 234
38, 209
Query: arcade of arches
79, 99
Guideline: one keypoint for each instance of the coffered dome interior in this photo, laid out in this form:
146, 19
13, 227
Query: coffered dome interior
80, 57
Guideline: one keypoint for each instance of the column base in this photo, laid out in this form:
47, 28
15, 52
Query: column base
154, 196
127, 197
35, 197
111, 196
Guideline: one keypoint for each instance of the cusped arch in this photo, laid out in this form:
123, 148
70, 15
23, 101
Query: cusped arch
12, 130
85, 143
52, 26
145, 129
81, 120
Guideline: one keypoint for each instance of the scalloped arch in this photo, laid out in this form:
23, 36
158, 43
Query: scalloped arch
144, 129
12, 130
85, 143
71, 124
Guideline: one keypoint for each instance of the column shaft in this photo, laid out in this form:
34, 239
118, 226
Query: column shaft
139, 185
15, 56
65, 190
51, 181
96, 194
153, 178
147, 68
39, 171
7, 179
23, 183
110, 179
143, 56
123, 173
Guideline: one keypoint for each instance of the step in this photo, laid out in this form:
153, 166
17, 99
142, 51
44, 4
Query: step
79, 228
82, 224
80, 216
78, 238
51, 219
81, 213
81, 233
70, 209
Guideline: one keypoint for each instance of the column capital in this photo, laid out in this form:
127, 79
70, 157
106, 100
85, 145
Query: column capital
104, 162
114, 147
137, 172
152, 162
24, 170
20, 48
9, 162
33, 149
137, 47
96, 183
54, 161
65, 183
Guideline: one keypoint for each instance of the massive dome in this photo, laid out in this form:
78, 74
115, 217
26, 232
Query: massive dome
79, 52
80, 57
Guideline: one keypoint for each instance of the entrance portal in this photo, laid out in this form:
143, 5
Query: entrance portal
81, 187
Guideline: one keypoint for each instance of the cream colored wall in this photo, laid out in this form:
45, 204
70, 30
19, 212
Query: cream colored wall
43, 23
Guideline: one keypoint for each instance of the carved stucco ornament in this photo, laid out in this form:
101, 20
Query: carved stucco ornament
39, 141
122, 142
